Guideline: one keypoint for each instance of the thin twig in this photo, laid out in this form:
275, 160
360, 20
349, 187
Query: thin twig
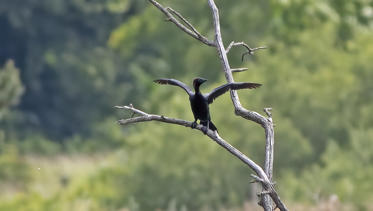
250, 51
190, 30
131, 108
269, 114
229, 46
237, 70
188, 24
268, 111
256, 178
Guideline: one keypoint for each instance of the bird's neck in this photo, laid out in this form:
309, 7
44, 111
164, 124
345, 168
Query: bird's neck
196, 89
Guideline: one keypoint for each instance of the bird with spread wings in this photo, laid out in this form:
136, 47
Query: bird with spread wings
200, 102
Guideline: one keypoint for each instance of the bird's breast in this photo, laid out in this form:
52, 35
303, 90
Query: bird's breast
200, 107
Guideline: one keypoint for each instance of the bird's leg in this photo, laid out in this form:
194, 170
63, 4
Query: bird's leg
194, 124
206, 128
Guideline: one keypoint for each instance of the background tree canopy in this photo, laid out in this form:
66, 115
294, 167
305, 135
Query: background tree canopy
64, 64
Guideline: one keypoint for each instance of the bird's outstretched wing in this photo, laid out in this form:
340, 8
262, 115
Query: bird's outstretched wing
175, 82
224, 88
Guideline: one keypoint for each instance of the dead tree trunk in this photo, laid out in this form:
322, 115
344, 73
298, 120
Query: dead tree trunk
264, 177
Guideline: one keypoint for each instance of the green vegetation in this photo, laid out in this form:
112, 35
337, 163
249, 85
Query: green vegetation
64, 64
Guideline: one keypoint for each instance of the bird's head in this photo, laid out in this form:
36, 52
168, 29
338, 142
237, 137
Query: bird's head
198, 81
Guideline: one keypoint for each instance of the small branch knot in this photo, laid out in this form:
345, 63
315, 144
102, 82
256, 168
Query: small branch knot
263, 193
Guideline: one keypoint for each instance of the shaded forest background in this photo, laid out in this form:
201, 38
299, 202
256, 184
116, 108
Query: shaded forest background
64, 64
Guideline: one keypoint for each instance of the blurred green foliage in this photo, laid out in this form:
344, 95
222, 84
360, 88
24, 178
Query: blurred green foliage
64, 64
10, 85
60, 47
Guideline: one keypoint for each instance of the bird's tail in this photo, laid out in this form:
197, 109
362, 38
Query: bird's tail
211, 125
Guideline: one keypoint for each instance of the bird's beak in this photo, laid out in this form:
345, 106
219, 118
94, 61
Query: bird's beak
203, 80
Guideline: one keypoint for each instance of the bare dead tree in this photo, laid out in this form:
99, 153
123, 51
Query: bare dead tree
263, 176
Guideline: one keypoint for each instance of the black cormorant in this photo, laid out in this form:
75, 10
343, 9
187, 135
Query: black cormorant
200, 102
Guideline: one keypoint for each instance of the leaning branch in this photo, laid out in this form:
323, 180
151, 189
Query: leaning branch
187, 28
263, 179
